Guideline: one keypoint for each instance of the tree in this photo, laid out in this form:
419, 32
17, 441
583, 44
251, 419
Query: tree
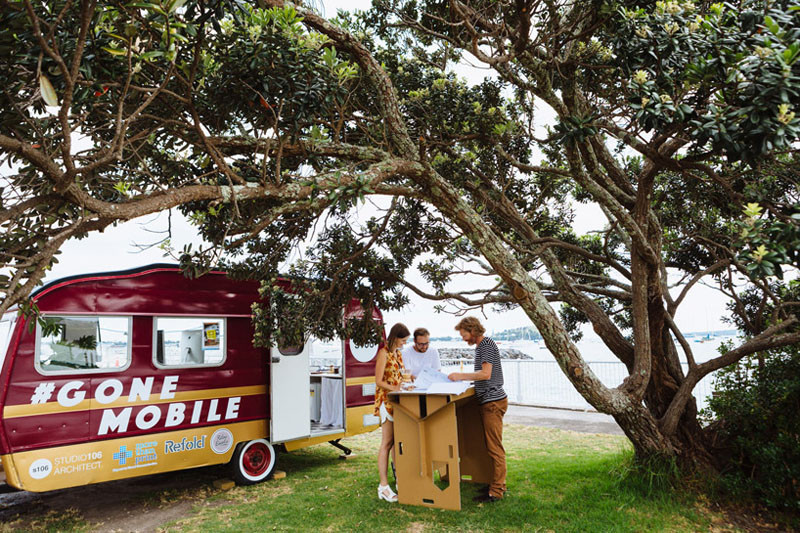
269, 124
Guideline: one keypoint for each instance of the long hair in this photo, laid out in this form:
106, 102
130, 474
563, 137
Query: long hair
398, 331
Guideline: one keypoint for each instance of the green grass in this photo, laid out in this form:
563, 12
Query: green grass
557, 481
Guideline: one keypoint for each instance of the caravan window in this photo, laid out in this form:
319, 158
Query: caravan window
70, 344
291, 350
189, 342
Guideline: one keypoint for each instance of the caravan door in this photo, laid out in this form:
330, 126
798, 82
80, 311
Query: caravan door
290, 397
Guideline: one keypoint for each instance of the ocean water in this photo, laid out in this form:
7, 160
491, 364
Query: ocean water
592, 348
541, 382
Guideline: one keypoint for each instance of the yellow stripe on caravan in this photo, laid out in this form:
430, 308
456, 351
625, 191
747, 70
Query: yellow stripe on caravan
361, 381
74, 465
16, 411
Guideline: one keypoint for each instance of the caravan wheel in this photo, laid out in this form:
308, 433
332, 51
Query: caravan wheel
253, 462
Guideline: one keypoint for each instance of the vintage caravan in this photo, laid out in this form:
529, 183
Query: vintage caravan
145, 371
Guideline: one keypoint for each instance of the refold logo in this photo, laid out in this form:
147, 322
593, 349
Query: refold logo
185, 444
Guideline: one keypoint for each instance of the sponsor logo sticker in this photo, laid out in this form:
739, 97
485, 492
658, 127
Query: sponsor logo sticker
40, 468
143, 454
221, 441
123, 455
78, 463
185, 444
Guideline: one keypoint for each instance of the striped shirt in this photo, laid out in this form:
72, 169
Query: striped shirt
489, 390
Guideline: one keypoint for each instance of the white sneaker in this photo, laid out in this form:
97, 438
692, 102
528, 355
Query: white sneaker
386, 493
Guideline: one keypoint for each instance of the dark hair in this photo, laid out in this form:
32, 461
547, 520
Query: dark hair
398, 331
472, 325
421, 332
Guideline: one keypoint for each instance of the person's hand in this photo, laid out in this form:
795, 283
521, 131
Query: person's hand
454, 376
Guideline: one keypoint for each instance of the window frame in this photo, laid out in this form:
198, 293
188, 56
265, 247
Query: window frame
5, 345
224, 344
37, 363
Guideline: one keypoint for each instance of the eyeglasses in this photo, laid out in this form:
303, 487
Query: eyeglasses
422, 343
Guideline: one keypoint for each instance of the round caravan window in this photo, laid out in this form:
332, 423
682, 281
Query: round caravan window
291, 350
363, 353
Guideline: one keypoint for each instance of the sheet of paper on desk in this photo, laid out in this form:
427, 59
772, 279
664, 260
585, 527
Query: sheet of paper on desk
427, 377
451, 387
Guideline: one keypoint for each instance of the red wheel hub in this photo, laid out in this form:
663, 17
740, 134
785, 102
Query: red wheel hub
256, 459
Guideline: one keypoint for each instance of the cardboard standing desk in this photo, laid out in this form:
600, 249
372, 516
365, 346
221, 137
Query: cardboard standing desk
439, 441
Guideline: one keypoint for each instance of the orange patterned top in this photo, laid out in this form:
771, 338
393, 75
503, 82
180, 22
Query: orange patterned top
393, 375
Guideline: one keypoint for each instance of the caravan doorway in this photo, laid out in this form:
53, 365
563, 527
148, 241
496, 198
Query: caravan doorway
326, 386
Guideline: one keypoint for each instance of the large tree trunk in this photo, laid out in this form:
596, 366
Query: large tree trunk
689, 441
688, 446
637, 416
642, 429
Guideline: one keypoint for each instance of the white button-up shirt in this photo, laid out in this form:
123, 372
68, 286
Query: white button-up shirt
415, 361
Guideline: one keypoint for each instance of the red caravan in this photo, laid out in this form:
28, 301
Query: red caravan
146, 371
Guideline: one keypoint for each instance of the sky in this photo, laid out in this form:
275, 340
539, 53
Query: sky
116, 249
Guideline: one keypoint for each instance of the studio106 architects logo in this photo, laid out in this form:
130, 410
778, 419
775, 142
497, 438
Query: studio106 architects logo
78, 463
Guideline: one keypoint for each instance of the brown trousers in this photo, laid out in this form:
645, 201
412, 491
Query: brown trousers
492, 417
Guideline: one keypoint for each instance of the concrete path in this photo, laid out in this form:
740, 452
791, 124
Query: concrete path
582, 421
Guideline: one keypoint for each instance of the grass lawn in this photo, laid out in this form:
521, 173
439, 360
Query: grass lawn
557, 481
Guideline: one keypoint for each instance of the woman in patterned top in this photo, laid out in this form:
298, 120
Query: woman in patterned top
388, 377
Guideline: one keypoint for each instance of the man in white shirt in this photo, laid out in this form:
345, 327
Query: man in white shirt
420, 355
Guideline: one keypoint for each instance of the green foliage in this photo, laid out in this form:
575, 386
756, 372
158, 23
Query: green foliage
769, 243
240, 70
574, 130
729, 72
572, 319
317, 290
755, 406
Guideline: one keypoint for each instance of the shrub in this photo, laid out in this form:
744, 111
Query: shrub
756, 413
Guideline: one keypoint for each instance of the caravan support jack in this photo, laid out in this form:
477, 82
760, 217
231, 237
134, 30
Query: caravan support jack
345, 449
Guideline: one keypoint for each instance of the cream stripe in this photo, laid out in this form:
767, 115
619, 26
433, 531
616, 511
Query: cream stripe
361, 381
16, 411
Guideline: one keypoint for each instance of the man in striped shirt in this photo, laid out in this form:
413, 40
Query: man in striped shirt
488, 377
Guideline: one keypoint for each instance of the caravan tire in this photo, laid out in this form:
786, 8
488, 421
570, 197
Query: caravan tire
253, 462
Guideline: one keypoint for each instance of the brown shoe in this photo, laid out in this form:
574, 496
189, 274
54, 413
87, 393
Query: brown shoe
486, 498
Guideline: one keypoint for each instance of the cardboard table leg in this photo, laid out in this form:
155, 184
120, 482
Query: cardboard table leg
427, 455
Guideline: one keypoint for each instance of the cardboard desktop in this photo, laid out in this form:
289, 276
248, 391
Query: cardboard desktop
439, 442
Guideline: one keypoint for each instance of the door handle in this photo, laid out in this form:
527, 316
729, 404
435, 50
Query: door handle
276, 358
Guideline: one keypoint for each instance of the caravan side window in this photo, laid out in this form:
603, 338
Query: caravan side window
70, 344
291, 350
188, 341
